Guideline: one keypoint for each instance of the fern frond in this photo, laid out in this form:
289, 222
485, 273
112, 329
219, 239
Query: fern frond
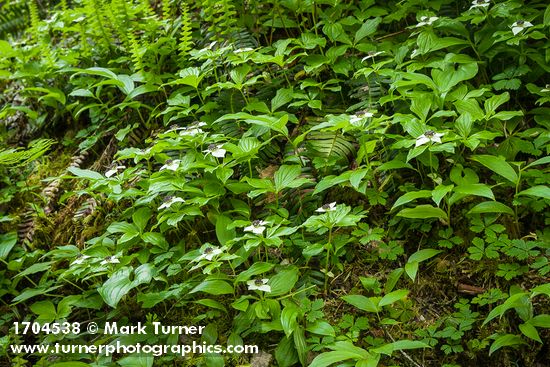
145, 8
35, 20
119, 18
186, 40
135, 51
166, 9
96, 21
222, 18
14, 18
18, 157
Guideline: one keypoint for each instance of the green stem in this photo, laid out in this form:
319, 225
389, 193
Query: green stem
328, 259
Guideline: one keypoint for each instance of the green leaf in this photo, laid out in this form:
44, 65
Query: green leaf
285, 353
45, 310
7, 241
423, 212
491, 207
439, 193
491, 104
367, 29
388, 349
223, 233
450, 76
538, 191
342, 351
190, 76
215, 287
289, 317
410, 196
255, 269
141, 217
530, 331
478, 189
287, 177
544, 160
300, 344
361, 302
541, 289
283, 282
283, 96
540, 321
116, 287
497, 165
505, 341
321, 328
393, 297
392, 279
411, 268
85, 173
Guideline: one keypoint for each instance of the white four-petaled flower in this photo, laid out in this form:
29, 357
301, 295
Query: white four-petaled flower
257, 227
327, 208
428, 136
424, 20
216, 150
110, 260
480, 4
193, 129
359, 116
209, 252
80, 259
259, 285
520, 25
169, 200
171, 164
113, 170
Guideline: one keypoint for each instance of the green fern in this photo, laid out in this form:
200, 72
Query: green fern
221, 16
119, 18
166, 9
14, 18
145, 8
35, 20
18, 157
96, 21
186, 41
135, 52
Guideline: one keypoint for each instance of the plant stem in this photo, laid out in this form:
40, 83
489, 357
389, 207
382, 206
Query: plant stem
328, 259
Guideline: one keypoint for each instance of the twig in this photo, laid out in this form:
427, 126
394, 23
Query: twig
403, 352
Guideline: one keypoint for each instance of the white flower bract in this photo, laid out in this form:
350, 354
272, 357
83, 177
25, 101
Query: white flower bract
372, 54
110, 260
327, 208
80, 259
359, 116
424, 20
193, 129
427, 137
480, 4
114, 170
171, 165
259, 285
520, 25
240, 50
208, 253
169, 200
216, 150
257, 227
